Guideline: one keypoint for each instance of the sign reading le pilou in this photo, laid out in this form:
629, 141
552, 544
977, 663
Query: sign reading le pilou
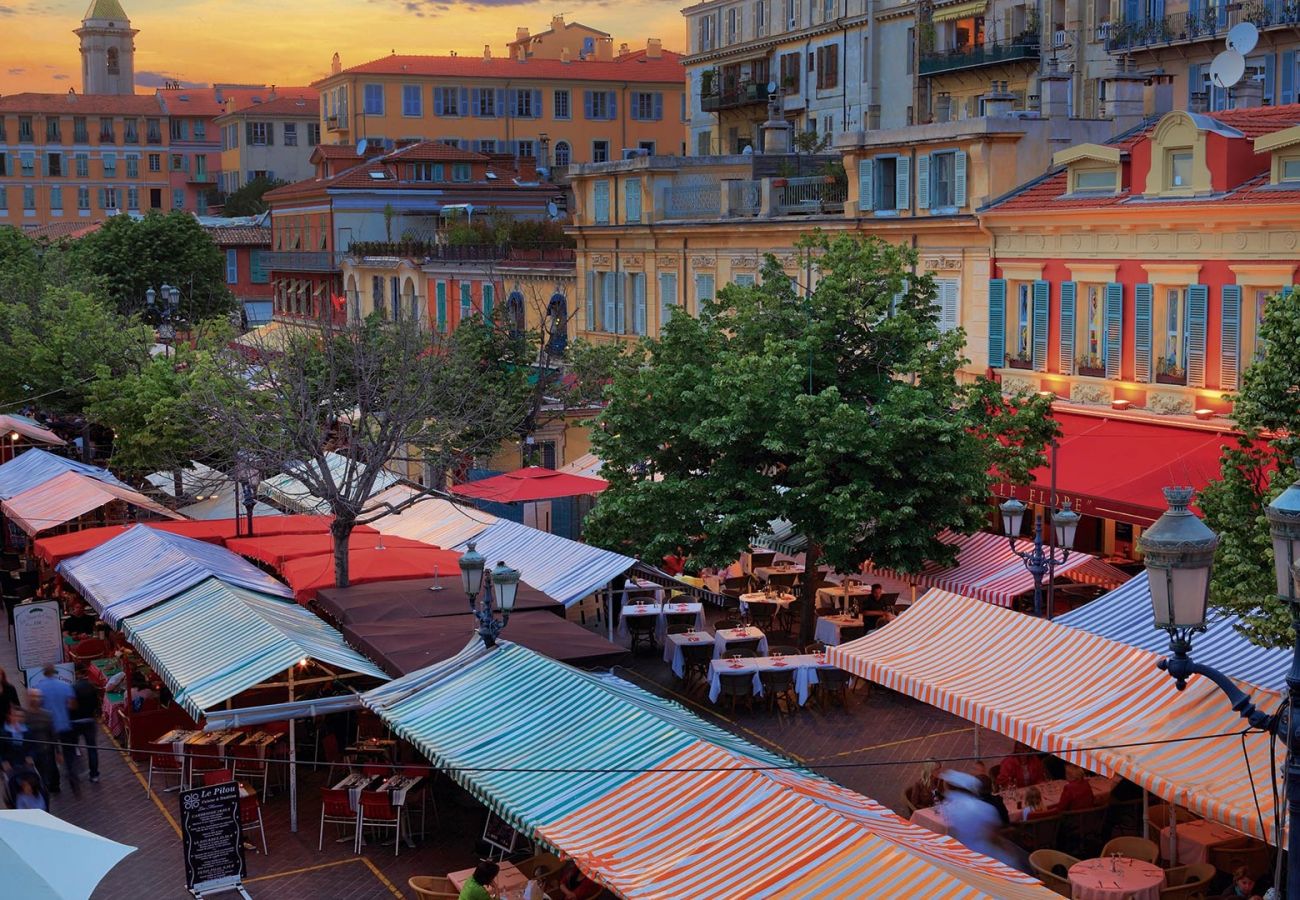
214, 851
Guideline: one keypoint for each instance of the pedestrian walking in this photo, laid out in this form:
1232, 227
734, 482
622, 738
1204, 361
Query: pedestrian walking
58, 698
40, 739
85, 717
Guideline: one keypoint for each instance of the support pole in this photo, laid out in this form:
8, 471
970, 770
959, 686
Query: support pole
609, 610
1146, 809
293, 763
1051, 541
1173, 832
977, 740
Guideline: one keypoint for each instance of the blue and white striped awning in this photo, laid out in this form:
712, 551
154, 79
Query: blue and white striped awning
429, 519
142, 567
289, 492
558, 567
35, 467
215, 641
1124, 615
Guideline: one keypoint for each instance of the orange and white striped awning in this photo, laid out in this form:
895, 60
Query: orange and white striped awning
986, 569
1089, 700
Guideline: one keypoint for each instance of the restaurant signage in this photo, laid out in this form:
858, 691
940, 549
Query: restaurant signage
38, 630
213, 846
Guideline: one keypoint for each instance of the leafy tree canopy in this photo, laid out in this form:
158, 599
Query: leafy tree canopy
249, 200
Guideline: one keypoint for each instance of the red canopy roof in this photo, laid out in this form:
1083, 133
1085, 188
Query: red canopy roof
531, 483
276, 550
308, 574
1114, 467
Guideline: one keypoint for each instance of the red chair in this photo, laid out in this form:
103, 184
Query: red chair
421, 795
377, 811
250, 818
163, 760
336, 808
217, 776
204, 758
89, 650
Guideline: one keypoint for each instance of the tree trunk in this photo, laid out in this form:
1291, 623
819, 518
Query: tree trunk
178, 485
341, 531
808, 613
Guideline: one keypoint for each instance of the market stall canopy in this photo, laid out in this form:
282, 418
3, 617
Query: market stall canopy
1089, 700
412, 598
216, 640
35, 466
197, 479
69, 496
1124, 615
401, 647
46, 858
987, 570
286, 490
308, 574
144, 566
564, 569
530, 484
222, 503
654, 808
24, 427
277, 549
587, 465
432, 520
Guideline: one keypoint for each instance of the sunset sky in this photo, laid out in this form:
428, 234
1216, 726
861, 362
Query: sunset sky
291, 41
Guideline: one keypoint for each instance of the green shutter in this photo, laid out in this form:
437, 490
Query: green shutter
997, 322
441, 292
1114, 329
1142, 302
1230, 337
865, 195
1042, 300
489, 295
1069, 291
1198, 302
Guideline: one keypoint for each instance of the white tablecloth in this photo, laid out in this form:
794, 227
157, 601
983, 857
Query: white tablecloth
398, 786
781, 600
805, 668
673, 649
1195, 839
635, 587
722, 639
828, 628
660, 613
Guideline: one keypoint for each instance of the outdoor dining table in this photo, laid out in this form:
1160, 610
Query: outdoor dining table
762, 573
396, 786
828, 627
1116, 879
725, 637
673, 644
838, 595
660, 612
931, 817
1195, 838
804, 665
781, 600
510, 882
635, 588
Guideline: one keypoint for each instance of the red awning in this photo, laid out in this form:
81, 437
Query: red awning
531, 483
276, 550
308, 574
1114, 467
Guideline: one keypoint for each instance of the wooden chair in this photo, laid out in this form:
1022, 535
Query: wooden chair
762, 614
747, 649
784, 650
695, 663
250, 818
737, 686
376, 809
1177, 876
1038, 833
778, 683
1254, 856
782, 581
336, 808
1133, 848
641, 629
789, 614
815, 647
433, 887
679, 618
727, 624
677, 628
164, 761
1042, 862
833, 682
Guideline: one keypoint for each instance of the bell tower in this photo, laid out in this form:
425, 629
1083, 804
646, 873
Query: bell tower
107, 49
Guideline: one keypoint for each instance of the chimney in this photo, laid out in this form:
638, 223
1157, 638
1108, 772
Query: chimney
564, 54
1125, 103
487, 53
521, 34
998, 101
1054, 86
623, 49
654, 48
336, 65
557, 23
1198, 102
1248, 93
1162, 93
605, 49
527, 168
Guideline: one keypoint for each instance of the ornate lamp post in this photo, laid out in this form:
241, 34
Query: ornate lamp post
503, 582
1179, 556
168, 302
1041, 561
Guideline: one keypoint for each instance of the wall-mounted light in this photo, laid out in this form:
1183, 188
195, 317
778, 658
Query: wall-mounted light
1204, 414
1121, 405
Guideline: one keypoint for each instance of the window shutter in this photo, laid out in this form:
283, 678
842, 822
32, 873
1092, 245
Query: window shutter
923, 182
1198, 302
866, 168
1114, 329
270, 134
658, 106
587, 104
948, 296
1288, 77
466, 301
620, 298
437, 101
248, 132
590, 305
441, 311
609, 303
473, 102
959, 178
464, 102
1142, 301
611, 108
537, 104
1270, 73
499, 107
1230, 336
703, 290
1194, 83
902, 184
232, 266
1042, 299
997, 322
667, 297
1069, 292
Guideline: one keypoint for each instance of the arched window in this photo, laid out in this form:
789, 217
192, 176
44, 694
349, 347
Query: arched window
557, 311
515, 313
112, 61
408, 294
353, 300
562, 153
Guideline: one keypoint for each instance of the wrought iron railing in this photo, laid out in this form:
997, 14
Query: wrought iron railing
815, 194
733, 96
1201, 25
304, 261
936, 62
744, 196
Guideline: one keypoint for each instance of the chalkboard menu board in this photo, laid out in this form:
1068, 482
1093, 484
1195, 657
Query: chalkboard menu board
214, 850
38, 627
498, 833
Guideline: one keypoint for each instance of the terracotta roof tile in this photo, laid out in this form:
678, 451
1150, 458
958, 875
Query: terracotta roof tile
201, 102
300, 107
240, 235
55, 231
73, 104
632, 67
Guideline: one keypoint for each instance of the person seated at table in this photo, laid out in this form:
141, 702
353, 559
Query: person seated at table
1242, 887
576, 886
477, 885
974, 822
1032, 806
28, 793
1077, 793
1021, 768
876, 599
141, 691
927, 790
675, 562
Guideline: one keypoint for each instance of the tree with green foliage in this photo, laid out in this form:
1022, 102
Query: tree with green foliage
1257, 469
835, 407
129, 255
250, 199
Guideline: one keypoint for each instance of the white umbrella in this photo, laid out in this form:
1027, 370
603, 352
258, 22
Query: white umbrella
45, 858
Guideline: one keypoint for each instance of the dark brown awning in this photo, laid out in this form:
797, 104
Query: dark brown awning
389, 601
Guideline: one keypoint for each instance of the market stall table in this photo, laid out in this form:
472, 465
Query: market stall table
635, 589
1116, 879
673, 649
931, 817
839, 595
805, 667
781, 600
510, 881
1195, 838
660, 612
726, 637
829, 627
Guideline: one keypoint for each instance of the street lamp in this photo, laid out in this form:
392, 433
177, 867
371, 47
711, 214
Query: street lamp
503, 581
1040, 560
167, 300
1178, 552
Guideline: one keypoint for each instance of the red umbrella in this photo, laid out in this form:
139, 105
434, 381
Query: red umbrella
308, 574
276, 550
531, 483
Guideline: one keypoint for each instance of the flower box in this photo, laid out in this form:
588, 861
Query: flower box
1093, 371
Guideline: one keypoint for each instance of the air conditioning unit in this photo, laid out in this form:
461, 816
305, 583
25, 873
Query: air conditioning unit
635, 152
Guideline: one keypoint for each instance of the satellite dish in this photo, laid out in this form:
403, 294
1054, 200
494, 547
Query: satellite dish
552, 210
1243, 37
771, 87
361, 147
1227, 69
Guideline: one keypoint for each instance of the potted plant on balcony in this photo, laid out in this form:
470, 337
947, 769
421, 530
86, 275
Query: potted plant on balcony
707, 77
1022, 359
1168, 371
1090, 364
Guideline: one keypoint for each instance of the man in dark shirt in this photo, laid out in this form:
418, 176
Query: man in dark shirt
40, 739
85, 716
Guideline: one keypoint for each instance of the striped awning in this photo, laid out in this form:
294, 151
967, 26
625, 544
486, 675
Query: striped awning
959, 11
23, 426
986, 569
32, 467
1101, 704
432, 520
587, 465
144, 566
217, 640
197, 479
632, 788
1125, 615
69, 496
289, 492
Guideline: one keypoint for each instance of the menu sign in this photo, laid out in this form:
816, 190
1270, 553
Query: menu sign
38, 628
214, 850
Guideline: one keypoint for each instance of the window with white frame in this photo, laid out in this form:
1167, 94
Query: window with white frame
1171, 364
1090, 342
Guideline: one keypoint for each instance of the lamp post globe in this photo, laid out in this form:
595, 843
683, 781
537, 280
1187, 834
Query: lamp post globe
505, 584
1283, 516
1013, 514
1178, 552
471, 572
1066, 522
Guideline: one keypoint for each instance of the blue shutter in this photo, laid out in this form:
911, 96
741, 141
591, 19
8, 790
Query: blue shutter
1132, 12
437, 101
997, 322
609, 303
902, 186
499, 107
620, 302
1194, 81
1042, 300
473, 102
866, 190
590, 304
1288, 77
464, 102
1114, 329
959, 179
441, 290
1157, 10
537, 104
1069, 291
638, 295
1198, 302
658, 106
1230, 337
1142, 302
587, 104
1270, 72
489, 293
611, 108
634, 109
923, 181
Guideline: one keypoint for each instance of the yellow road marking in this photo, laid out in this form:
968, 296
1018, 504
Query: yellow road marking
374, 870
144, 783
898, 743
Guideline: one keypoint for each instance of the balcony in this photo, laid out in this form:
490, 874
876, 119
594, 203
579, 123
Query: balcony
1204, 25
1022, 49
198, 178
732, 97
305, 261
336, 123
814, 195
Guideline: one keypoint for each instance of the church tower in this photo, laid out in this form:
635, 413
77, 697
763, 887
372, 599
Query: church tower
107, 49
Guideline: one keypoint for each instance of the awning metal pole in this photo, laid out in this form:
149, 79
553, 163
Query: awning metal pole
1146, 808
293, 763
609, 610
977, 740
